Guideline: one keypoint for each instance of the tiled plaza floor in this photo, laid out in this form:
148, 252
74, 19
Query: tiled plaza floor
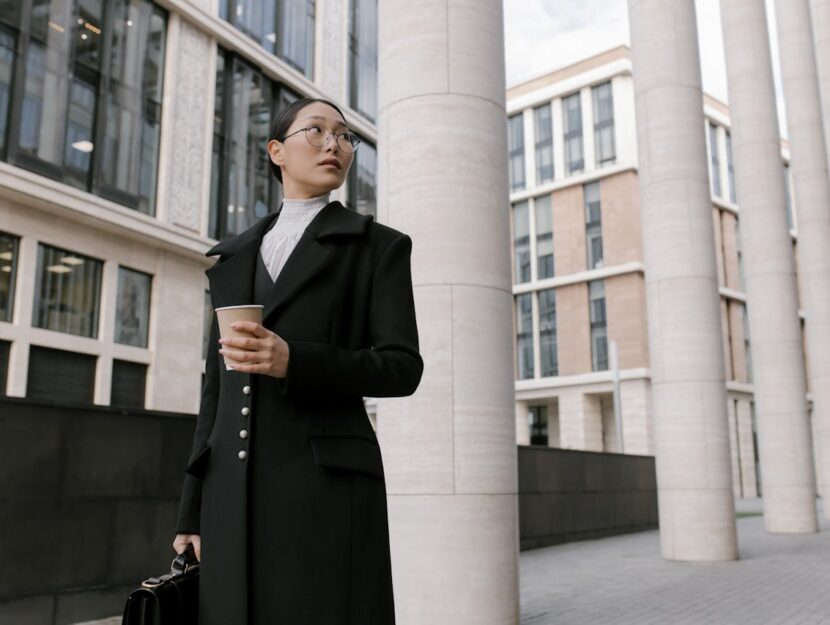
779, 578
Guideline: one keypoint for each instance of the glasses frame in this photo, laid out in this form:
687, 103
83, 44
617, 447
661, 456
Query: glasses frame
337, 136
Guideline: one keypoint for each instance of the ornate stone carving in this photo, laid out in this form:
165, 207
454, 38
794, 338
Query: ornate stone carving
334, 63
187, 164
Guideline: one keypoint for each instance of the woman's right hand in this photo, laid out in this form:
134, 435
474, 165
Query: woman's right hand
183, 540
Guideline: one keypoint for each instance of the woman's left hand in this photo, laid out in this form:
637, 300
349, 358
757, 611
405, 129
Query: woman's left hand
263, 352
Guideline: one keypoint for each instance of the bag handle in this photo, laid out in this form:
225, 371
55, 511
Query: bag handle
182, 563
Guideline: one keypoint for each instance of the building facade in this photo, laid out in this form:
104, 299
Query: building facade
580, 318
132, 138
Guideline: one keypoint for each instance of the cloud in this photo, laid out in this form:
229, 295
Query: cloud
544, 35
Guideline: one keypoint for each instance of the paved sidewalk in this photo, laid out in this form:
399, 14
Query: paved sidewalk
780, 579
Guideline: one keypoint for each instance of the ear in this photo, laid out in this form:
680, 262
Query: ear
275, 152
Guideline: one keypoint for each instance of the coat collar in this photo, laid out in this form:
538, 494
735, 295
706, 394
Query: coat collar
332, 219
232, 277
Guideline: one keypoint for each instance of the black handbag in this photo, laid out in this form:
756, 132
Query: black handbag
170, 599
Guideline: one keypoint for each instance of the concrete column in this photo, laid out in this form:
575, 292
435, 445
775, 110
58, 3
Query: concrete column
820, 10
779, 379
450, 449
811, 186
522, 429
694, 477
638, 431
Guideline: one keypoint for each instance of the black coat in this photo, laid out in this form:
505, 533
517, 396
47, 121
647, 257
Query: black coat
296, 532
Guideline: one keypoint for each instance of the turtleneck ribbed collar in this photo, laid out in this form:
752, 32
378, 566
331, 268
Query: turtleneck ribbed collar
303, 207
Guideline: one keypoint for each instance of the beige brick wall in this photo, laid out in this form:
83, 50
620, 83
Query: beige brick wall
625, 306
730, 251
622, 239
573, 332
569, 252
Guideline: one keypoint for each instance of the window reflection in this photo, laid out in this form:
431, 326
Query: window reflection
363, 54
284, 28
68, 292
7, 58
63, 74
8, 268
362, 180
132, 314
242, 187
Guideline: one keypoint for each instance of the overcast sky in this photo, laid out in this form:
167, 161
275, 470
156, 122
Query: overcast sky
542, 35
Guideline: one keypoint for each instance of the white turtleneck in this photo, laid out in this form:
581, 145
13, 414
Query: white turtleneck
280, 240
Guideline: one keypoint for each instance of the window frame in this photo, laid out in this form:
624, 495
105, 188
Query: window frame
99, 81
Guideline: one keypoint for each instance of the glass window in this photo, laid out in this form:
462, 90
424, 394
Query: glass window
713, 149
521, 242
516, 151
132, 312
8, 270
599, 326
10, 11
133, 103
45, 92
524, 335
537, 421
543, 125
79, 133
731, 168
544, 237
572, 122
7, 60
284, 28
68, 292
549, 361
295, 44
603, 99
73, 99
363, 55
361, 185
593, 225
242, 187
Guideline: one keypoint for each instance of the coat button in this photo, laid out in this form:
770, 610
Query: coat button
243, 454
243, 433
246, 389
246, 411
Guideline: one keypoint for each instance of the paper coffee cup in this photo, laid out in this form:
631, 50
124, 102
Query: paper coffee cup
226, 315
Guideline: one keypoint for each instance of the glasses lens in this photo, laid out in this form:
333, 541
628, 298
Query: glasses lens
345, 141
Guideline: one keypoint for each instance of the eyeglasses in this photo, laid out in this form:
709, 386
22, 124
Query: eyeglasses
346, 141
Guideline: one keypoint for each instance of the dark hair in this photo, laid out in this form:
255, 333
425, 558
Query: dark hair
283, 120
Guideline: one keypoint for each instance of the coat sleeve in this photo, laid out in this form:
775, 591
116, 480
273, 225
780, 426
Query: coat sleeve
191, 497
392, 367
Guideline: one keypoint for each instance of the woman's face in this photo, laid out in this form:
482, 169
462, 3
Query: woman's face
303, 173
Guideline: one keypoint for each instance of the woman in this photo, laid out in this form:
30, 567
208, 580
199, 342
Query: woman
284, 498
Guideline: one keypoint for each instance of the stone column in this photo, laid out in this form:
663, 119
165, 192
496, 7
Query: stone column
820, 10
450, 449
694, 476
811, 185
779, 379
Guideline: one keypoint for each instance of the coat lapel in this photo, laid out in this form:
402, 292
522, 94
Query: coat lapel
231, 279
